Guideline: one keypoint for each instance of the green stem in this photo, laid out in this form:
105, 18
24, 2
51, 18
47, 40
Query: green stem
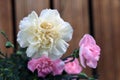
3, 33
74, 54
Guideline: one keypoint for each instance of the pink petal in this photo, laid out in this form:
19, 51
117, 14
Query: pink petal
40, 74
89, 51
82, 59
92, 64
87, 39
73, 67
32, 65
58, 67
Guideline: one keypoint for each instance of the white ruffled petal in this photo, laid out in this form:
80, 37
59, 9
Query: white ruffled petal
51, 16
54, 57
48, 13
31, 50
55, 54
66, 31
58, 50
40, 53
62, 46
22, 39
29, 21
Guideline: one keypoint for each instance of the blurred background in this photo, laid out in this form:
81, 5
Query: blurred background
100, 18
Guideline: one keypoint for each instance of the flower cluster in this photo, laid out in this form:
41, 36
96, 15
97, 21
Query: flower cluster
46, 40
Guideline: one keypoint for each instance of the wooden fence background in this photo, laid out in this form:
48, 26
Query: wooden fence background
100, 18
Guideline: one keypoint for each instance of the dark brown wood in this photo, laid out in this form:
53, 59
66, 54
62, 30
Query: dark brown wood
5, 23
115, 5
76, 13
106, 24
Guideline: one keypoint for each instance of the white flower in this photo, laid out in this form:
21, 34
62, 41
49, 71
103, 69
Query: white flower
47, 34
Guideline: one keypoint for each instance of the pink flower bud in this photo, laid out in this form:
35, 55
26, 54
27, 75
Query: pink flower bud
89, 51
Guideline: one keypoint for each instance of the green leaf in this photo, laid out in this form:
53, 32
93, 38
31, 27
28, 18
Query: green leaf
91, 78
19, 52
83, 76
9, 44
4, 34
75, 53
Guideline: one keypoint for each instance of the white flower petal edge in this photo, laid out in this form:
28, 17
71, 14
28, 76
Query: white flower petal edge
47, 34
31, 50
51, 16
22, 39
66, 31
59, 49
29, 21
25, 34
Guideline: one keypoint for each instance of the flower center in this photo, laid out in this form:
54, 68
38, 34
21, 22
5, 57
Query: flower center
46, 25
47, 35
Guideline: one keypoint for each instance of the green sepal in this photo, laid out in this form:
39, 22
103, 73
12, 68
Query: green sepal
9, 44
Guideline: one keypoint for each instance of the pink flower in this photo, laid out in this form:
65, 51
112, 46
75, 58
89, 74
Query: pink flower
45, 66
73, 67
89, 51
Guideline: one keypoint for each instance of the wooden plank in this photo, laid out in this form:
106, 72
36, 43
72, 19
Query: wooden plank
106, 25
5, 23
116, 36
76, 13
25, 7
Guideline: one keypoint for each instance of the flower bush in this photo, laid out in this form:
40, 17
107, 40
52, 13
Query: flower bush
43, 41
